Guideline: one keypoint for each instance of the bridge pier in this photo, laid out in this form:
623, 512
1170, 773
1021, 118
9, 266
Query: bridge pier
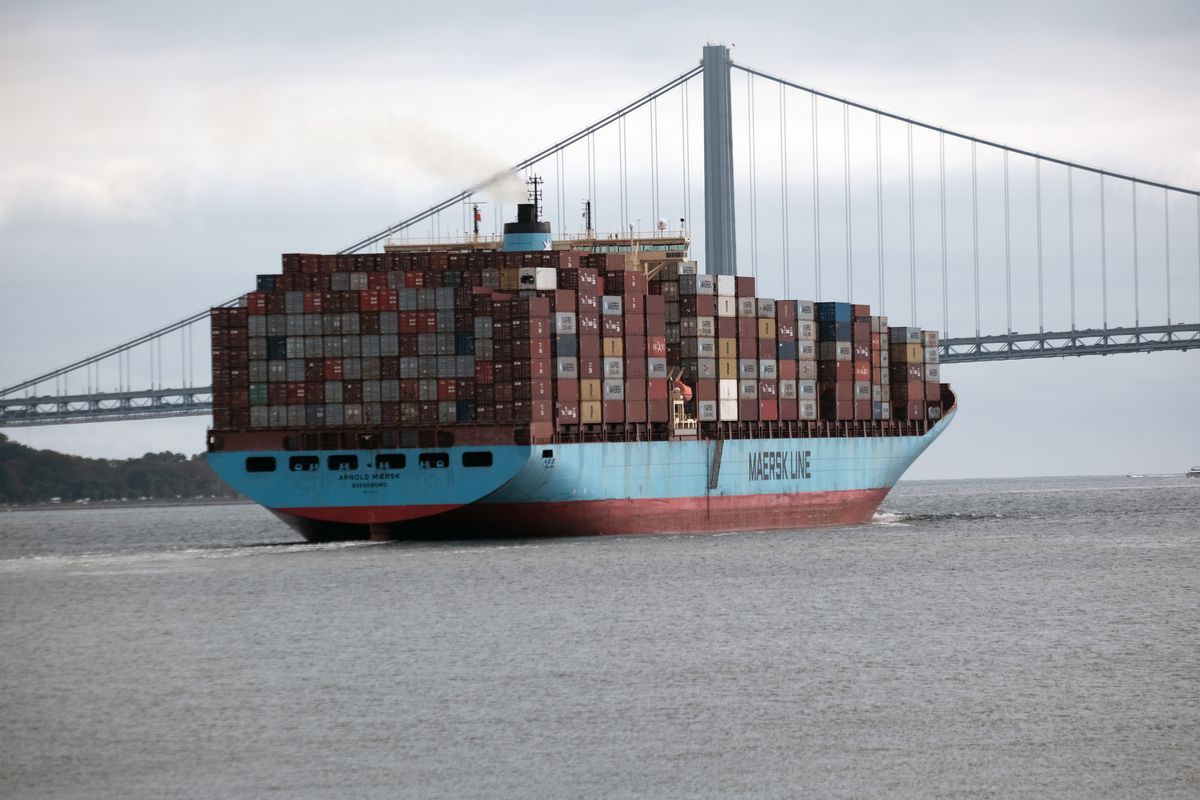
720, 244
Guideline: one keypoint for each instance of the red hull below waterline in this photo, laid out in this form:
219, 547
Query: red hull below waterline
612, 517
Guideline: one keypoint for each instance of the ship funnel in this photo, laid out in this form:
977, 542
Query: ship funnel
528, 232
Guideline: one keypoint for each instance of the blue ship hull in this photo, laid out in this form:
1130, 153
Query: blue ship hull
577, 488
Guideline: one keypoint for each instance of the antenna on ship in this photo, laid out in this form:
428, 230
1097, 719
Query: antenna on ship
535, 195
476, 217
587, 216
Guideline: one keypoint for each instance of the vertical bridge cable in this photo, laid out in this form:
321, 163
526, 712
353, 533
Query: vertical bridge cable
1136, 298
945, 271
753, 181
1167, 251
912, 232
591, 167
1071, 237
1037, 166
654, 185
787, 290
849, 211
975, 230
687, 155
1103, 257
1007, 247
879, 212
816, 203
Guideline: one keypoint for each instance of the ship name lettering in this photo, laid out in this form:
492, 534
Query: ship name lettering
777, 465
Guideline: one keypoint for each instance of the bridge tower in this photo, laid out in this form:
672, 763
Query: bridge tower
720, 245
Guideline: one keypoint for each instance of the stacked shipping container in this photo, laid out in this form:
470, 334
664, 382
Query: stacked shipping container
549, 341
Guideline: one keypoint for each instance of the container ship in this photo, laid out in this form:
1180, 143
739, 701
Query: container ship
533, 387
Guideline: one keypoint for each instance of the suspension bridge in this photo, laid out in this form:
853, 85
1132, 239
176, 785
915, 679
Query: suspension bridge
1015, 253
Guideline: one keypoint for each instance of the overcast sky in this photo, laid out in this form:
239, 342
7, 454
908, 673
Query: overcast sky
154, 157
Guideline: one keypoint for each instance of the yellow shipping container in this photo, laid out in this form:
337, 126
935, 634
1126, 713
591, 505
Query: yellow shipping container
907, 353
727, 369
591, 389
589, 411
766, 329
726, 348
613, 348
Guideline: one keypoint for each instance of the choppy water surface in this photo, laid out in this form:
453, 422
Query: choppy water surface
1035, 638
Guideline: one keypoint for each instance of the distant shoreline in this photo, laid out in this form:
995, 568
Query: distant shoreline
150, 503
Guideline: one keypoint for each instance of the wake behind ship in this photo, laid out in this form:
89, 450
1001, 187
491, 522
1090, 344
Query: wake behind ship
590, 386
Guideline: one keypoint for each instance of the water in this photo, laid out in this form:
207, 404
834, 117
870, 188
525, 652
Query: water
1036, 638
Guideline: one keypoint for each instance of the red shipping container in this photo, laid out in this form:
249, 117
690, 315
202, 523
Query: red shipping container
655, 306
658, 411
635, 325
635, 410
295, 393
541, 389
744, 286
635, 304
860, 311
427, 322
861, 333
352, 392
635, 367
614, 410
862, 371
747, 327
588, 303
789, 409
410, 389
747, 409
277, 394
588, 323
635, 390
768, 410
862, 409
787, 370
635, 346
862, 352
767, 348
313, 303
933, 391
568, 391
447, 389
612, 326
256, 303
484, 372
591, 367
589, 347
656, 346
333, 369
389, 300
566, 412
785, 312
656, 389
768, 390
656, 325
785, 331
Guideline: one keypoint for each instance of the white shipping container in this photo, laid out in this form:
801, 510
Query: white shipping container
547, 278
808, 409
727, 409
765, 308
806, 330
727, 389
612, 305
805, 310
705, 284
787, 389
930, 338
933, 372
726, 287
747, 390
746, 307
527, 277
747, 369
806, 351
707, 410
862, 390
614, 368
564, 323
768, 369
806, 389
706, 368
932, 355
726, 306
614, 390
567, 368
706, 326
656, 367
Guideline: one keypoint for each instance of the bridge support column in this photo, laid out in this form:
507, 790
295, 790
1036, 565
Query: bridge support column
720, 245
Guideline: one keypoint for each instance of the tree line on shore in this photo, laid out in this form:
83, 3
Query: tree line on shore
37, 476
